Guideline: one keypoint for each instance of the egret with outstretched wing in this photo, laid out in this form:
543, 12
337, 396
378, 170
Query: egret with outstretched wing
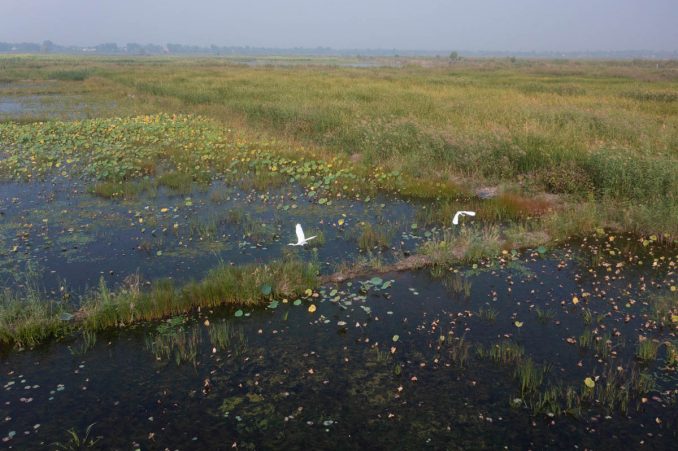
301, 239
455, 220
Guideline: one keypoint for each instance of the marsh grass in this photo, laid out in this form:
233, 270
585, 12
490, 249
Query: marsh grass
465, 245
603, 345
662, 307
179, 345
586, 339
601, 135
236, 216
506, 352
544, 316
529, 375
382, 356
27, 319
178, 182
127, 190
646, 350
77, 443
458, 284
70, 75
671, 354
224, 337
458, 349
488, 314
374, 237
87, 341
258, 232
261, 181
203, 228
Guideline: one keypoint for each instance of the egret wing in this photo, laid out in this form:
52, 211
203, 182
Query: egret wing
300, 234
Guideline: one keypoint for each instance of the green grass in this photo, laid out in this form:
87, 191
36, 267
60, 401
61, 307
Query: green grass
586, 339
466, 245
663, 306
488, 314
373, 237
179, 182
178, 345
428, 121
69, 75
646, 350
601, 135
544, 316
26, 321
529, 376
506, 352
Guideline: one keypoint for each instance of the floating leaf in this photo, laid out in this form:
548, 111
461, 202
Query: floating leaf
238, 313
65, 316
341, 222
266, 289
308, 292
395, 338
590, 383
386, 285
297, 302
376, 281
273, 304
518, 324
541, 249
414, 226
311, 308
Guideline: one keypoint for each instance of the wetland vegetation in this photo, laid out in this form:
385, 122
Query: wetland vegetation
147, 205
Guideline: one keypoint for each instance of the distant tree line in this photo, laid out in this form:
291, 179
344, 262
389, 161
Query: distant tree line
133, 48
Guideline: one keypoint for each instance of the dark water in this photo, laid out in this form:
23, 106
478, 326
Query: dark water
291, 379
72, 238
44, 106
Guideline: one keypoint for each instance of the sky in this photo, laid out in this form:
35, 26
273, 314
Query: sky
471, 25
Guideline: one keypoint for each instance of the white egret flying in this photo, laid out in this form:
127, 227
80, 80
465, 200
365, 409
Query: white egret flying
455, 220
301, 239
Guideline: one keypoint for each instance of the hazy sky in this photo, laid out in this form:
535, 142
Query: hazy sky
517, 25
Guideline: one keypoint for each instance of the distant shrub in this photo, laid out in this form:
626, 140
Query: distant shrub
565, 179
633, 177
558, 89
70, 75
651, 96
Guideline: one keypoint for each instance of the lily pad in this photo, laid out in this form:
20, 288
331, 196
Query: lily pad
266, 289
238, 313
590, 383
376, 281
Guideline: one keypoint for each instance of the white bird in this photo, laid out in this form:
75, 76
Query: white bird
301, 239
455, 220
